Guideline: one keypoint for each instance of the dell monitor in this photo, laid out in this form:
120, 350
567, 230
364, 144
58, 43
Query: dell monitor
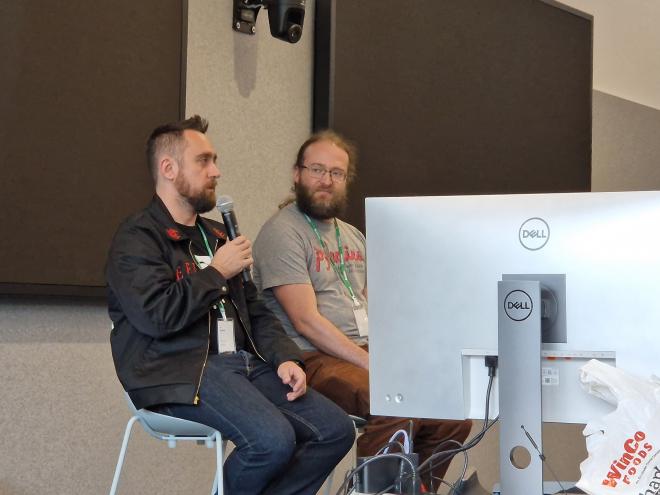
434, 268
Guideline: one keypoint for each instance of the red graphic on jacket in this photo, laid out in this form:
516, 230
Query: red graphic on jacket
349, 255
219, 233
186, 268
173, 234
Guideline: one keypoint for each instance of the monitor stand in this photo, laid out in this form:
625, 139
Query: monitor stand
519, 369
549, 488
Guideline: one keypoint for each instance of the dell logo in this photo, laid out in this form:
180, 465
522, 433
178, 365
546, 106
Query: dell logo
518, 305
534, 233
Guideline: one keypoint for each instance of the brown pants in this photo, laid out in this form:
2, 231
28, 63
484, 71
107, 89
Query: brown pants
348, 386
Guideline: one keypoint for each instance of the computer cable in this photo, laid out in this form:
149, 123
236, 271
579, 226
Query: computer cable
486, 425
432, 466
344, 486
446, 456
392, 444
543, 458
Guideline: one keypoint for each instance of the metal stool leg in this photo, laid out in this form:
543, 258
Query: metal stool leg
172, 430
218, 482
122, 454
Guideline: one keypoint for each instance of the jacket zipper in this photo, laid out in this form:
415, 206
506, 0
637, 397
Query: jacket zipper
247, 332
208, 342
238, 313
206, 356
192, 256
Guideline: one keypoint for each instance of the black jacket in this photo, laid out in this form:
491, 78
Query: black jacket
160, 305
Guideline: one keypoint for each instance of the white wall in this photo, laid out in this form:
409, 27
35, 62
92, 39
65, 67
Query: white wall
626, 100
626, 43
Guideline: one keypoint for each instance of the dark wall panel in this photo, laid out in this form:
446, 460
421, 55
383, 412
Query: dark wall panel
82, 85
457, 96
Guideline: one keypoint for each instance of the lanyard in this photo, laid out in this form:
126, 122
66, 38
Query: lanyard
221, 306
341, 271
206, 241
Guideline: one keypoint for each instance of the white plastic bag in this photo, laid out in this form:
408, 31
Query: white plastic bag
623, 446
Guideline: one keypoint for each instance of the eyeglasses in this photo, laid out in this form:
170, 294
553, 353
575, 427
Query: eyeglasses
319, 172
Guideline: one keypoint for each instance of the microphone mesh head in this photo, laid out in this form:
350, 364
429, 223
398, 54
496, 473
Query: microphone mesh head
224, 204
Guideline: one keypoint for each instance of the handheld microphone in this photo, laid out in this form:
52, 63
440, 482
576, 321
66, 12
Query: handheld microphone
225, 206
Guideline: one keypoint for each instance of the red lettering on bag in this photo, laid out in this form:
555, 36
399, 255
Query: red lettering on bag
614, 473
630, 446
631, 454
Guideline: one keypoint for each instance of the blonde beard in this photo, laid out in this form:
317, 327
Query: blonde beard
335, 207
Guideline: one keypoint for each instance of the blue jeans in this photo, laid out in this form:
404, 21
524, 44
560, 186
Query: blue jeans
282, 447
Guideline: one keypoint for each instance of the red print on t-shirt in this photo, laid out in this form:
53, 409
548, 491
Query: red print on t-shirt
349, 255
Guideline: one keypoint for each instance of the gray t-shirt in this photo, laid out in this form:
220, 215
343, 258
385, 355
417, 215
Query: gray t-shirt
287, 251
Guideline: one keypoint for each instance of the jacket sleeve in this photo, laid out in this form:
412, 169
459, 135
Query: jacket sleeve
144, 285
270, 338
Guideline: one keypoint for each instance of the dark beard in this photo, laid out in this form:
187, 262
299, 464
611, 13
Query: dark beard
305, 203
201, 203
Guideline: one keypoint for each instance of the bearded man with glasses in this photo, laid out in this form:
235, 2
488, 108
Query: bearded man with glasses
311, 269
